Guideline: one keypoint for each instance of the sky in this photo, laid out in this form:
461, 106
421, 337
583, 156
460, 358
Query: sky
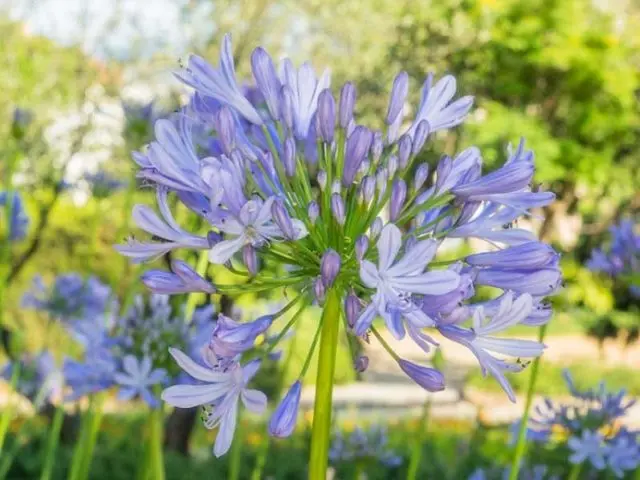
117, 29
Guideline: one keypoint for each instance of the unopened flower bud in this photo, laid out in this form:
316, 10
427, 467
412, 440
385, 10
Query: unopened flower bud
368, 188
420, 137
422, 172
289, 157
322, 179
376, 227
377, 146
352, 309
283, 420
337, 208
282, 219
361, 364
399, 92
398, 196
313, 210
362, 245
347, 103
318, 290
428, 378
330, 267
250, 259
326, 116
404, 150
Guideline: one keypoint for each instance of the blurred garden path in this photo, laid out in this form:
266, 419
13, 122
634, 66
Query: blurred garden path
387, 392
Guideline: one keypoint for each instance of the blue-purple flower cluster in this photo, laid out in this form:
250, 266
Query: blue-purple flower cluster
622, 259
363, 447
296, 194
15, 225
128, 351
39, 379
589, 427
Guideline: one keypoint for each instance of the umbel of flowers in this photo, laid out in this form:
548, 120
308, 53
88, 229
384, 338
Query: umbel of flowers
588, 429
296, 194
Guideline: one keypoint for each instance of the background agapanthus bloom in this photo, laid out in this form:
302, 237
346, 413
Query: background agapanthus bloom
286, 180
622, 259
588, 428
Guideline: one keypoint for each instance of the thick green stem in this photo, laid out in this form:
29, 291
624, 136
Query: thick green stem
83, 454
81, 442
416, 450
7, 411
52, 442
92, 438
321, 433
521, 444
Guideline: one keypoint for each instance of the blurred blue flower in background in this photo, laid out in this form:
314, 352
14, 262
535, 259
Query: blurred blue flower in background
18, 224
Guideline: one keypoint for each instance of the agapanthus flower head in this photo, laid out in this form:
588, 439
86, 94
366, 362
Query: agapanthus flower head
369, 446
622, 259
39, 379
151, 325
295, 194
137, 378
17, 227
588, 426
70, 297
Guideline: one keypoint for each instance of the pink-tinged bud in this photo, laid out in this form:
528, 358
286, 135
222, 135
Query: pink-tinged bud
330, 267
